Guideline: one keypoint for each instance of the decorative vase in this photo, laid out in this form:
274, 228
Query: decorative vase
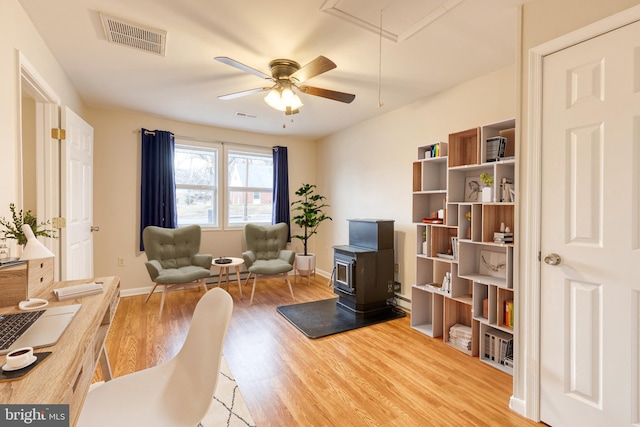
487, 194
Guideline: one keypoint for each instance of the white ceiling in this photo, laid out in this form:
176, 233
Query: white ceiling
440, 43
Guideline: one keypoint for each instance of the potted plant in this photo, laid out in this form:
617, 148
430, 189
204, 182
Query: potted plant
13, 226
487, 190
308, 215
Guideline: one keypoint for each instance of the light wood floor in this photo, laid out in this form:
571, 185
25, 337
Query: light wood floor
381, 375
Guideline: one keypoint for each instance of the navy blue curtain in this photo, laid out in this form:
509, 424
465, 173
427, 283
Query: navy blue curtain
281, 208
158, 188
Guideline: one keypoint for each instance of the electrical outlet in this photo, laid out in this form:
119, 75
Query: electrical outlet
396, 268
120, 262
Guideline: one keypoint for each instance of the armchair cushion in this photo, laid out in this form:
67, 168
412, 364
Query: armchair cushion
270, 266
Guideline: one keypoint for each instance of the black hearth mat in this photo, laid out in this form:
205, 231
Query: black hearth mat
321, 318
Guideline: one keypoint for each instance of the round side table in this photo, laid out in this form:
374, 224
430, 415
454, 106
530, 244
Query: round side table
224, 270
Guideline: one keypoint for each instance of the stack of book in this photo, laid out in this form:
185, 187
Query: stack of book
460, 336
503, 237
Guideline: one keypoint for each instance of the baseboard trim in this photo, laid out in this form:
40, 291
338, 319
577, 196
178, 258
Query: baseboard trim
144, 290
518, 405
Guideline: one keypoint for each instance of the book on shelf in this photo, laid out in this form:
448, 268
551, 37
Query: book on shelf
435, 150
508, 313
432, 220
446, 256
446, 282
454, 246
496, 147
498, 347
507, 192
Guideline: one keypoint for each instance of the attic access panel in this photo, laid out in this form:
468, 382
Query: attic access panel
401, 19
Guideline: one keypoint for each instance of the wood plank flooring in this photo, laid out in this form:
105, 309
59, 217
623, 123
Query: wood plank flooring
381, 375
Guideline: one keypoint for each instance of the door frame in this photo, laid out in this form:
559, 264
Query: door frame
529, 278
47, 149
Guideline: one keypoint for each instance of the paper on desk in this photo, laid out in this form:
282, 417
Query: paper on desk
77, 291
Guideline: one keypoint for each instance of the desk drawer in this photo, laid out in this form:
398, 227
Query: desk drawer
40, 275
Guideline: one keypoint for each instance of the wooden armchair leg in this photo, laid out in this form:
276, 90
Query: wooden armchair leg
155, 285
255, 278
164, 294
286, 278
248, 277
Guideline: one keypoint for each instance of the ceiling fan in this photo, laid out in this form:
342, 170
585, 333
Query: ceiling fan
287, 76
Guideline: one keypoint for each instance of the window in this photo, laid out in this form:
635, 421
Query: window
250, 187
196, 170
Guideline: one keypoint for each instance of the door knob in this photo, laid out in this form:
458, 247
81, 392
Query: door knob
553, 259
95, 228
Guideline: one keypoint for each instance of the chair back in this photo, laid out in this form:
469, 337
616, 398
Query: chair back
197, 365
176, 393
172, 247
266, 241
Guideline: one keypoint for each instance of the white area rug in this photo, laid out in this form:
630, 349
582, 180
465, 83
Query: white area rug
228, 407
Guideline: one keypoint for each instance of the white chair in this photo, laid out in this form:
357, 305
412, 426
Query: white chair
177, 393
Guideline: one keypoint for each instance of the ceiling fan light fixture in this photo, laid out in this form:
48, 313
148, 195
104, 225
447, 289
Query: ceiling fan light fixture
283, 99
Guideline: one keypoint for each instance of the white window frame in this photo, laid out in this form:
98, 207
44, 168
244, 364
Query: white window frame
231, 148
219, 185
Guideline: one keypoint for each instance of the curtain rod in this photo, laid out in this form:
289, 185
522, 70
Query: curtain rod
193, 138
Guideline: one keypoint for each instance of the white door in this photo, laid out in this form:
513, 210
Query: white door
76, 197
590, 217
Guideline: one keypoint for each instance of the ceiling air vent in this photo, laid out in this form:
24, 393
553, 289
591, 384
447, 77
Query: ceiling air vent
126, 33
246, 115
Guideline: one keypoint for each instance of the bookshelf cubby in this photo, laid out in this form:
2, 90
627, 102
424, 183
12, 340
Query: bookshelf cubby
464, 148
461, 249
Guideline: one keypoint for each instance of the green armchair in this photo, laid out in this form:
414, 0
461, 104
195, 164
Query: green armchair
173, 259
266, 254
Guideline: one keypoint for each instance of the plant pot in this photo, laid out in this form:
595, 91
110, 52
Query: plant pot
487, 194
305, 264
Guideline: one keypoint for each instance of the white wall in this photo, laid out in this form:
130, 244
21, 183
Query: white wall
117, 184
366, 170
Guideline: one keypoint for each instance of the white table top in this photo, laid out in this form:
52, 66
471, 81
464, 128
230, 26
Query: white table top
235, 262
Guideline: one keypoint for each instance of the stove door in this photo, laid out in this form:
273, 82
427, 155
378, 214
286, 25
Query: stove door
344, 275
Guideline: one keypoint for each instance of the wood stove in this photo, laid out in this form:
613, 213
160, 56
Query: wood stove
364, 268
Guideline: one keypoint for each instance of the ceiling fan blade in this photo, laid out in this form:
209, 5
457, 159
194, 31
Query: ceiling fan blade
316, 67
240, 66
242, 93
326, 93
